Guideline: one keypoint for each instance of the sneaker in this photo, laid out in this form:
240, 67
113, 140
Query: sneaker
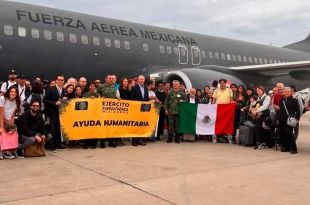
8, 155
214, 140
1, 155
19, 154
261, 146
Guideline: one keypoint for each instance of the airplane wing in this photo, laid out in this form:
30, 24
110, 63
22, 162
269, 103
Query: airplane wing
299, 69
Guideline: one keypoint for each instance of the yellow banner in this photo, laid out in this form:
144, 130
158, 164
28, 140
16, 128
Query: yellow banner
107, 118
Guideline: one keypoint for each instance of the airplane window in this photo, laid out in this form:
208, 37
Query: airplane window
8, 30
250, 60
210, 55
169, 50
72, 38
228, 57
223, 56
117, 43
60, 36
107, 42
145, 47
217, 55
239, 58
96, 41
183, 51
245, 59
266, 61
84, 39
176, 51
22, 32
234, 57
35, 33
196, 54
127, 45
255, 60
260, 61
47, 35
161, 49
203, 54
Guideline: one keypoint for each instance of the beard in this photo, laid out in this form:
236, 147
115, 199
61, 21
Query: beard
35, 111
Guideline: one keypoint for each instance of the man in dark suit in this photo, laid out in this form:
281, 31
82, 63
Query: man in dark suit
139, 93
52, 101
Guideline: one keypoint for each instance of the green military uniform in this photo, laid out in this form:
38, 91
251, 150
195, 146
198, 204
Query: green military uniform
89, 95
106, 90
172, 106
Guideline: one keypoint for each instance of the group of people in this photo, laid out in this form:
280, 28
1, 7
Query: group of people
29, 111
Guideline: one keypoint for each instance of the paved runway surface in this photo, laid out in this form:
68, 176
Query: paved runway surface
161, 173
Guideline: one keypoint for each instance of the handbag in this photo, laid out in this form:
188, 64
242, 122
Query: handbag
291, 121
35, 150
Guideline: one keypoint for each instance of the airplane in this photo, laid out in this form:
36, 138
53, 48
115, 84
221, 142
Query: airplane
41, 41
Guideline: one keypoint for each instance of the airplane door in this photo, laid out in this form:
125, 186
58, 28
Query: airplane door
196, 56
183, 54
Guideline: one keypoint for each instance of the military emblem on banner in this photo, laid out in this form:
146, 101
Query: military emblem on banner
81, 105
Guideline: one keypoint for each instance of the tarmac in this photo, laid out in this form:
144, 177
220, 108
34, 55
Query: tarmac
161, 173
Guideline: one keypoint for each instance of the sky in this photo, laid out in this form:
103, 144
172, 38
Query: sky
271, 22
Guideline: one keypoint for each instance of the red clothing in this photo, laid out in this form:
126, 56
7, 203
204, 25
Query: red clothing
276, 99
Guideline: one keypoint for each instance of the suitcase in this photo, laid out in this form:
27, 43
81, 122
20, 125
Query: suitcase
246, 136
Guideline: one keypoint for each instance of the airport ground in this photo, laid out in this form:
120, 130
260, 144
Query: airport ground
161, 173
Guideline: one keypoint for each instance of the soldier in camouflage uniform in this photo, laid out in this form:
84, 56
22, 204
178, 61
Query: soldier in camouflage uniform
171, 106
107, 90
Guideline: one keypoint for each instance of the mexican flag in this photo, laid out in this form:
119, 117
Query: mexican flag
202, 119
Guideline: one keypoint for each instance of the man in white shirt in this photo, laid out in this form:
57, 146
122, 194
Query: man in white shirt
12, 81
192, 96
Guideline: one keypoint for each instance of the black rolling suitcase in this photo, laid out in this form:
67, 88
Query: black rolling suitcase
246, 136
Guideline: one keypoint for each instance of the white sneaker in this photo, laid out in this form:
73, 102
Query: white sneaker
261, 146
8, 155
